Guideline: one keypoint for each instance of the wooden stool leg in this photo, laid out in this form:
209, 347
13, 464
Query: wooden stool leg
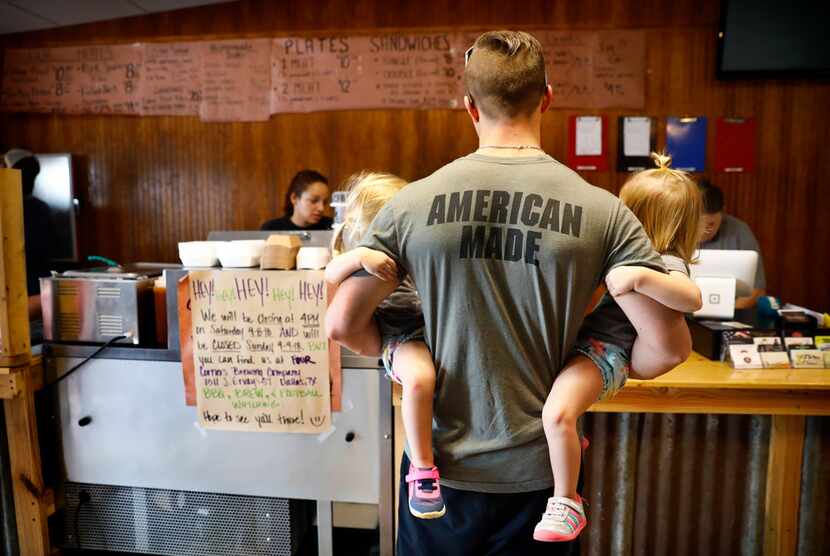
27, 477
786, 452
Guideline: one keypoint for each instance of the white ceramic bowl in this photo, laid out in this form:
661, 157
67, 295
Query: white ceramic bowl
242, 253
199, 253
313, 258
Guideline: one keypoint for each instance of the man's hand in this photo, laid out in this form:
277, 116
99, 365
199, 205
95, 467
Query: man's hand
380, 265
622, 279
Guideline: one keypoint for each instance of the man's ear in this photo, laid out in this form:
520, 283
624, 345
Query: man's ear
547, 98
472, 109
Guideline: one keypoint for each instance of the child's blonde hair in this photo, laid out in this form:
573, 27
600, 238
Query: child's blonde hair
367, 192
667, 202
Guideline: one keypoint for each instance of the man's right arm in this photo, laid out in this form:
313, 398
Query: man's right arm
350, 316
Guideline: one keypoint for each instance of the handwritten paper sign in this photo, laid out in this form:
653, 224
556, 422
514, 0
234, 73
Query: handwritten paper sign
382, 71
595, 69
29, 82
172, 79
74, 80
316, 73
236, 81
415, 70
569, 58
619, 67
260, 351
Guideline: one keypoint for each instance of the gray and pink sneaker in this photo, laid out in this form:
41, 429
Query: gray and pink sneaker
425, 499
563, 520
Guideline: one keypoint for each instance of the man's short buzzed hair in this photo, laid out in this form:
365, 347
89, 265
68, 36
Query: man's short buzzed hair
505, 74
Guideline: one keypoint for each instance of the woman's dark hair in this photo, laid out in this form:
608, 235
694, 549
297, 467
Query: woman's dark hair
29, 168
712, 197
299, 183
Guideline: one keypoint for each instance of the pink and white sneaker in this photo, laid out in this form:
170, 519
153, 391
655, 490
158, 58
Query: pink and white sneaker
563, 520
425, 500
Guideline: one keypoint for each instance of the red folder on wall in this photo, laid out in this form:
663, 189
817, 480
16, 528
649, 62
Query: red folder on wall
588, 143
735, 144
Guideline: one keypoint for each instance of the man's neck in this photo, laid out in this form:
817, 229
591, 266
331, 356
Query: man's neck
510, 138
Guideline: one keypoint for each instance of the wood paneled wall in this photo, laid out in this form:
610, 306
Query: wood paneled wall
147, 183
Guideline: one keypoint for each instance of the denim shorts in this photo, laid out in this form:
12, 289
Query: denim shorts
391, 343
611, 360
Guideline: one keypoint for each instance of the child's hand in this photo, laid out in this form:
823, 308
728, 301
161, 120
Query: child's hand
380, 265
622, 279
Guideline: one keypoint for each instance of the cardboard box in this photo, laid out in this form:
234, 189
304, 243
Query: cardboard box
280, 252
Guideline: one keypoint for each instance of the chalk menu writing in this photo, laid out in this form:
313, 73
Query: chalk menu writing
172, 79
596, 70
236, 81
569, 58
383, 71
318, 73
415, 70
74, 80
260, 351
619, 69
250, 79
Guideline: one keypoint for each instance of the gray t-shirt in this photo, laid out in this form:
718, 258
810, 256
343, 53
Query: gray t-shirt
736, 234
608, 323
505, 253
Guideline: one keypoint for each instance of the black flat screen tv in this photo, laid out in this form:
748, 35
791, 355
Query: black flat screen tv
771, 38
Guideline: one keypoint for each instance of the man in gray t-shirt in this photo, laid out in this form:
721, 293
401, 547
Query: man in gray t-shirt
505, 246
505, 253
723, 231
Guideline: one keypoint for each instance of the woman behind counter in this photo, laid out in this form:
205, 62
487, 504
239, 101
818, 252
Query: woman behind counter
305, 204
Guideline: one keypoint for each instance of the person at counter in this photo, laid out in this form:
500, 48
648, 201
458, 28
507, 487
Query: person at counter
305, 204
723, 231
37, 227
505, 246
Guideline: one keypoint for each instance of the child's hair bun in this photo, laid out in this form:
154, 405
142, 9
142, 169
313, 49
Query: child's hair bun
662, 160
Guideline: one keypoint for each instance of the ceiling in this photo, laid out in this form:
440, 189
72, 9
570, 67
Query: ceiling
17, 16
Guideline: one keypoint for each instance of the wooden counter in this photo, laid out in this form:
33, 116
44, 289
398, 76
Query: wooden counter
703, 386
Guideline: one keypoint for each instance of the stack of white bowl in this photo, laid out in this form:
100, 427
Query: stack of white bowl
242, 253
231, 254
199, 253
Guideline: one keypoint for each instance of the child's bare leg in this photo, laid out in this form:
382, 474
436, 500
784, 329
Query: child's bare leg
413, 365
663, 339
575, 389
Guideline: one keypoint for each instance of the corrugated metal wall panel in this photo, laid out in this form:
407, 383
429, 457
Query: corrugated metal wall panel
685, 485
814, 520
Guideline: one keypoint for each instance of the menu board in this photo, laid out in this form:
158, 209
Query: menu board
171, 83
596, 70
416, 70
619, 67
236, 81
260, 351
249, 79
383, 71
569, 59
74, 80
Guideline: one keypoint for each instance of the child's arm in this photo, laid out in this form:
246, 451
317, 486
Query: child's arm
374, 262
674, 290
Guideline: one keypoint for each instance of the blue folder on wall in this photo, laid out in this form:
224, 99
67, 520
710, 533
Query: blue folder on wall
686, 143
